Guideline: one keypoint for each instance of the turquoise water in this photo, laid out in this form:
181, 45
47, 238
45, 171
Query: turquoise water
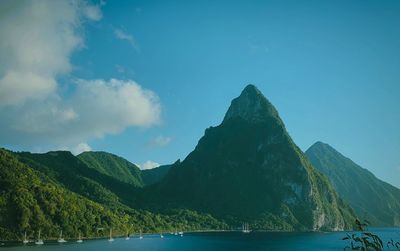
215, 241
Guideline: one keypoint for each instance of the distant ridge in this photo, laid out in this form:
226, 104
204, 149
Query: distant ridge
371, 198
154, 175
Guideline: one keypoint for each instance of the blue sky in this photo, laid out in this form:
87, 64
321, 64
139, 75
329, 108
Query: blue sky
329, 67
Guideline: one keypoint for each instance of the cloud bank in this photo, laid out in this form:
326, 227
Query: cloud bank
37, 40
149, 165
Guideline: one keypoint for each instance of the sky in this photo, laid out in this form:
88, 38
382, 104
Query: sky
144, 79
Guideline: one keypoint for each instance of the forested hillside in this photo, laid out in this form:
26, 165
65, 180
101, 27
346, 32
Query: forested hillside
34, 199
113, 166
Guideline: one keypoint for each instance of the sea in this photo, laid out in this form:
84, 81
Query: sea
210, 241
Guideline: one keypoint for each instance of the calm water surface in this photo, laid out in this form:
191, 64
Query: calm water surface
215, 241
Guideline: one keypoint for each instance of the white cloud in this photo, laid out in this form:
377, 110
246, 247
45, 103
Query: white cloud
160, 141
122, 35
114, 105
19, 86
149, 165
80, 148
96, 108
32, 48
37, 40
92, 12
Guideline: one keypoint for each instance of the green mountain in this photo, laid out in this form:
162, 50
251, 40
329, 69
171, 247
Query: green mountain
30, 202
249, 169
66, 169
113, 166
123, 170
154, 175
56, 191
371, 198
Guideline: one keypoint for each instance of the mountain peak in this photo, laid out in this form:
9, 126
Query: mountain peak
251, 89
322, 148
320, 144
251, 158
251, 105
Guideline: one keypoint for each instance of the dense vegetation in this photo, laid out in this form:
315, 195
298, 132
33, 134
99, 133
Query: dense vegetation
371, 198
30, 201
66, 169
249, 169
113, 166
33, 200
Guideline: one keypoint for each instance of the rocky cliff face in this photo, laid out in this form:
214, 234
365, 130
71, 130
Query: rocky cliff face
249, 169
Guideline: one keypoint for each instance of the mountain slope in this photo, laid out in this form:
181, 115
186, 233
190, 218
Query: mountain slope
32, 202
113, 166
68, 170
249, 169
371, 198
154, 175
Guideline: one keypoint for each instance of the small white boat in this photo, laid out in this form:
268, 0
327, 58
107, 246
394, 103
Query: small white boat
181, 233
39, 241
127, 236
140, 236
61, 239
245, 228
161, 235
79, 240
111, 238
25, 241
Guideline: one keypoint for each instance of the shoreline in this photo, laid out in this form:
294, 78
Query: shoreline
136, 235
